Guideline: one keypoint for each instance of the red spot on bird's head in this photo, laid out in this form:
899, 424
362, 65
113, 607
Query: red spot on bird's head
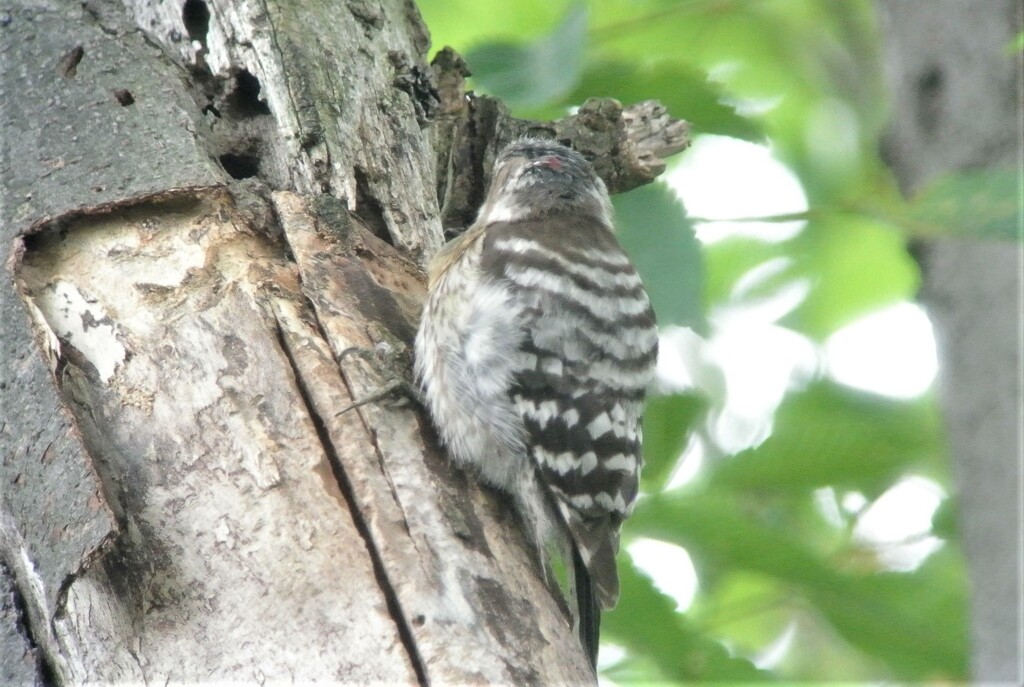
551, 162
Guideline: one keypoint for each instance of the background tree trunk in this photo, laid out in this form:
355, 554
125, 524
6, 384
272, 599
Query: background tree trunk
957, 93
205, 208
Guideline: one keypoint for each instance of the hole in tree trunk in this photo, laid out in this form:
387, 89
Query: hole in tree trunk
240, 166
196, 17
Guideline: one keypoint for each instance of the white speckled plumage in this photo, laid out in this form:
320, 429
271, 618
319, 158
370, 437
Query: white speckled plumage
535, 349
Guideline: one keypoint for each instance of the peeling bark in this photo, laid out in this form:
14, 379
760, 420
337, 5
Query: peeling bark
213, 217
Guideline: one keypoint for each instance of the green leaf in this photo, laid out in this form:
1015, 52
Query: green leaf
717, 532
748, 608
465, 23
854, 266
536, 73
729, 260
829, 435
655, 231
945, 520
668, 421
683, 89
893, 616
652, 630
896, 617
984, 203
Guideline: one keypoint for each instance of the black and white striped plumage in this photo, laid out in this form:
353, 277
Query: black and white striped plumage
535, 350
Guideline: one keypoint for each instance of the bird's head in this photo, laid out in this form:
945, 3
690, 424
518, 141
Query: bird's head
534, 178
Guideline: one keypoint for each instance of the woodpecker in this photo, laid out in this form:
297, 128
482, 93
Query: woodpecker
534, 353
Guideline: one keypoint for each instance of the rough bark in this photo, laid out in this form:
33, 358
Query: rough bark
19, 660
957, 92
209, 213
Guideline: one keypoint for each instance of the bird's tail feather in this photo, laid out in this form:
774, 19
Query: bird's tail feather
587, 606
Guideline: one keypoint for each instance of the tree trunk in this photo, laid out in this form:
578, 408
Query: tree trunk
214, 216
957, 92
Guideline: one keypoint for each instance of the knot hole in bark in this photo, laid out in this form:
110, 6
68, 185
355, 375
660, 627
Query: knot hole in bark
931, 86
244, 100
195, 15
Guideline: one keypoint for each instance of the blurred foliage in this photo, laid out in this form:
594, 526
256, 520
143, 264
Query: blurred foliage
830, 436
783, 582
522, 73
983, 203
653, 228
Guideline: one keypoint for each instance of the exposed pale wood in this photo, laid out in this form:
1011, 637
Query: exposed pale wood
237, 539
469, 592
66, 145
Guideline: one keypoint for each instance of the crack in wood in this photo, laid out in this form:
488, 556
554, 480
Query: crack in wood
405, 632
